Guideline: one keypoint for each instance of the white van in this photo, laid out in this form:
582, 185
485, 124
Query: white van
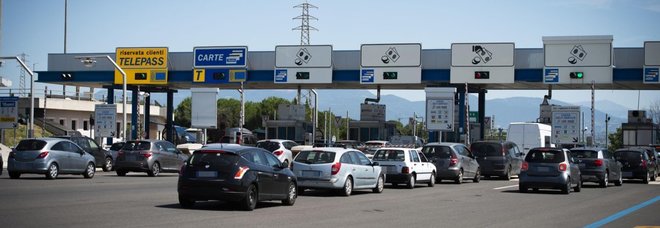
529, 135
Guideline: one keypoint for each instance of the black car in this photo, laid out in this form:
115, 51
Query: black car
654, 159
636, 164
598, 165
102, 157
498, 158
235, 173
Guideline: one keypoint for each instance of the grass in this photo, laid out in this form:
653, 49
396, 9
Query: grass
14, 135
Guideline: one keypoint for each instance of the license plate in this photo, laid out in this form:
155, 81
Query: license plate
543, 169
311, 173
627, 174
207, 174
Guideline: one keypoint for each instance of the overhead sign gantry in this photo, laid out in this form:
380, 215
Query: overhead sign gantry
651, 62
391, 64
303, 64
219, 65
143, 65
578, 59
482, 63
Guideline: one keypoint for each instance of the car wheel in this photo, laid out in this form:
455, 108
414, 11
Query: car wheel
477, 176
89, 171
155, 170
14, 175
605, 181
251, 197
566, 189
654, 176
507, 174
522, 188
411, 182
432, 180
121, 173
379, 185
292, 195
185, 202
459, 178
647, 178
619, 182
107, 166
53, 171
578, 188
348, 187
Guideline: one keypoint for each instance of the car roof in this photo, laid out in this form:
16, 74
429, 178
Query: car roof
588, 148
338, 150
638, 149
395, 148
443, 144
275, 140
377, 141
229, 147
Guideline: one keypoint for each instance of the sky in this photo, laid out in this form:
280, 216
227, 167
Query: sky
36, 28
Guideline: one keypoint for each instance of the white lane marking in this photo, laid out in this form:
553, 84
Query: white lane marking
654, 182
516, 180
510, 186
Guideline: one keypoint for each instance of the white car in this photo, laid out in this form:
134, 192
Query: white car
405, 165
281, 148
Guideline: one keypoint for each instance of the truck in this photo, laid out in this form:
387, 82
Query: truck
529, 135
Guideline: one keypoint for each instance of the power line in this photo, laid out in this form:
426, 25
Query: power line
304, 22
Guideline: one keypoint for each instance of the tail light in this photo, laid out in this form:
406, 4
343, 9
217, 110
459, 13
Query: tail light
524, 166
42, 154
562, 167
405, 170
278, 152
241, 171
12, 154
182, 169
598, 162
147, 155
335, 168
454, 160
643, 163
503, 151
120, 153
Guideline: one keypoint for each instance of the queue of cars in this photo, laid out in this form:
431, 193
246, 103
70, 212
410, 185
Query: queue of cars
247, 175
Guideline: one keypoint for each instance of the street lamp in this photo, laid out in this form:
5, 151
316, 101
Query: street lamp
31, 124
89, 61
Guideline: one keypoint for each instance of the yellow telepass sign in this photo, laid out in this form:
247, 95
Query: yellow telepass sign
142, 65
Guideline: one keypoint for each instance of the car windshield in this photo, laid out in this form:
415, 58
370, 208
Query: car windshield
437, 151
117, 146
315, 157
215, 159
584, 153
487, 149
389, 155
269, 146
137, 145
545, 156
30, 144
627, 155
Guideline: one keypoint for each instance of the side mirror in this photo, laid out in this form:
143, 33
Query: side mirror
375, 164
285, 164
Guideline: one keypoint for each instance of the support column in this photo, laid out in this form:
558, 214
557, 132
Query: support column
147, 115
111, 100
482, 113
169, 126
461, 114
135, 104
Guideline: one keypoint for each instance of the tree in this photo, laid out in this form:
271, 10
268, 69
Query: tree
615, 140
182, 113
654, 111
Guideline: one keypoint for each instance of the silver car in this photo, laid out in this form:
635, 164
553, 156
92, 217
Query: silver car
150, 156
50, 156
550, 168
454, 161
337, 168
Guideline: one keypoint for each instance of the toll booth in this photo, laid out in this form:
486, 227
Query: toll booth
640, 130
372, 124
290, 123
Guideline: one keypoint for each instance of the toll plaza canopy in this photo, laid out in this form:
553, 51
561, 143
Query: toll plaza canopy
436, 64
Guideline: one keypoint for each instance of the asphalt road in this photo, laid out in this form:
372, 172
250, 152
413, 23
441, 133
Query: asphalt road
140, 201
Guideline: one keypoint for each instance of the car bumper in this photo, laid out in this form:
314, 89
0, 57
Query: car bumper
448, 174
332, 183
397, 178
135, 166
543, 181
493, 172
211, 190
27, 167
592, 175
634, 174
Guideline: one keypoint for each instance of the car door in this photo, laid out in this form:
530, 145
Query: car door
466, 161
360, 170
96, 150
174, 156
416, 165
280, 178
517, 158
427, 167
84, 144
62, 155
265, 175
78, 161
371, 173
612, 165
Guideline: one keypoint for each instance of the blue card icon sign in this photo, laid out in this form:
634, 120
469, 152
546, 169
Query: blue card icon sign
551, 76
280, 75
367, 76
651, 75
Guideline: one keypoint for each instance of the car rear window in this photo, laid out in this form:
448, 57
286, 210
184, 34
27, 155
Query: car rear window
141, 145
389, 155
628, 155
584, 153
487, 149
30, 144
545, 156
437, 151
315, 157
117, 146
269, 146
215, 159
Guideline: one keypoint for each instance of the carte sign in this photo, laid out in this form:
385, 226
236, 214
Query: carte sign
565, 124
143, 66
651, 62
219, 65
578, 59
391, 63
300, 64
8, 112
482, 63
